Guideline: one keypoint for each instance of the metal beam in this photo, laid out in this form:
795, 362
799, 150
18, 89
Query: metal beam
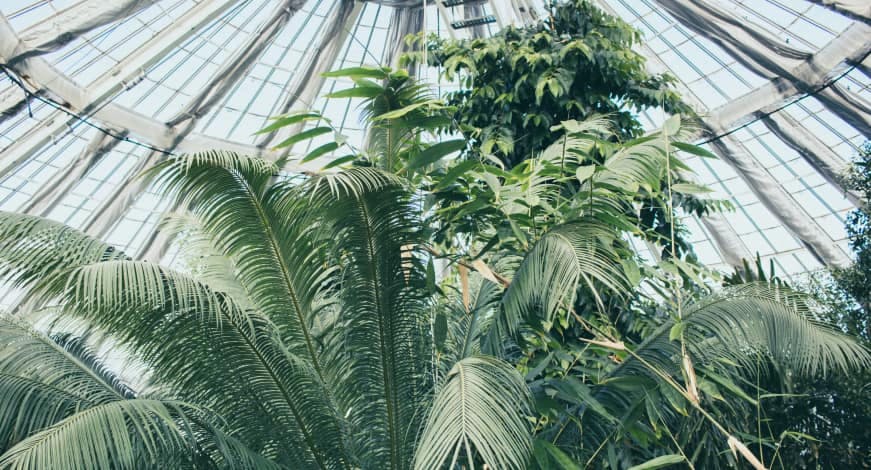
228, 74
755, 48
52, 192
769, 192
404, 21
859, 10
816, 153
779, 201
728, 243
791, 71
70, 23
92, 100
850, 46
12, 101
308, 84
446, 19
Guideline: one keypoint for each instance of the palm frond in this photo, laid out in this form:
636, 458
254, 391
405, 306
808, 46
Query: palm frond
478, 413
122, 434
34, 250
42, 382
775, 320
384, 320
200, 345
549, 276
249, 219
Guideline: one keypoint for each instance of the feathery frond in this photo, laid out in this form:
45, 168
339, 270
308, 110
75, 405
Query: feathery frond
479, 413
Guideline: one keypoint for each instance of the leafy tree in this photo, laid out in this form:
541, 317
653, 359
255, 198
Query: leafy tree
310, 352
518, 84
856, 280
540, 206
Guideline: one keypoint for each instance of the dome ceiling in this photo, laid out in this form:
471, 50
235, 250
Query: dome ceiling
97, 90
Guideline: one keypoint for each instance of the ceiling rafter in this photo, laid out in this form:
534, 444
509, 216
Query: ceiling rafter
859, 10
71, 23
780, 202
221, 82
49, 195
789, 70
94, 100
817, 154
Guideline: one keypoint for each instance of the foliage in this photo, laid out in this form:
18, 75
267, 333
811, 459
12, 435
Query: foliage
518, 84
320, 360
549, 231
856, 280
519, 87
823, 424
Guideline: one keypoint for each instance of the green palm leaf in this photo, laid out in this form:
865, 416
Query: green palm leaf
479, 413
210, 351
42, 382
382, 310
125, 434
548, 278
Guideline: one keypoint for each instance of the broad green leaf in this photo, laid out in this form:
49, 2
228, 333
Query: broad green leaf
398, 113
359, 72
435, 153
693, 149
576, 391
304, 135
357, 92
583, 173
340, 161
322, 150
440, 330
454, 173
660, 462
286, 120
729, 385
690, 188
544, 449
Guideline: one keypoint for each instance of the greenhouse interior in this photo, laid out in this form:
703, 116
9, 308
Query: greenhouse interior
435, 234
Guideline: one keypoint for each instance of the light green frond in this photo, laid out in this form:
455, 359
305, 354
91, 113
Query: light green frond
34, 250
117, 435
201, 258
27, 353
384, 320
263, 229
479, 413
202, 346
742, 321
565, 257
775, 320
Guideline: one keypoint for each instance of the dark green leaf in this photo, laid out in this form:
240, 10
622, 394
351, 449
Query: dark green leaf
435, 153
659, 462
693, 149
323, 149
304, 135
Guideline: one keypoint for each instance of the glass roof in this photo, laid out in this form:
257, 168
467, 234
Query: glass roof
177, 75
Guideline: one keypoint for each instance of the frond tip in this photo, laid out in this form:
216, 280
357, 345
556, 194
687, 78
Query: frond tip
480, 410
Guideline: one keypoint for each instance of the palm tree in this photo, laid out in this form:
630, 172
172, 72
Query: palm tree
314, 353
